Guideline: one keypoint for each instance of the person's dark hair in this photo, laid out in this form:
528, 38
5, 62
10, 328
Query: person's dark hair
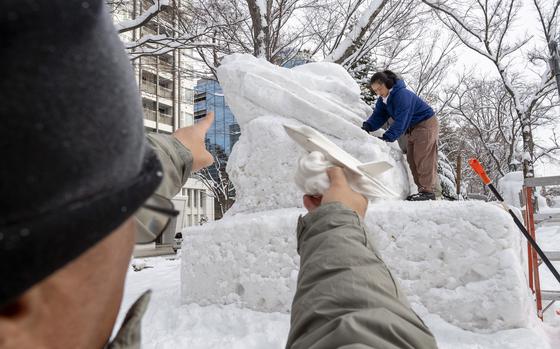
386, 77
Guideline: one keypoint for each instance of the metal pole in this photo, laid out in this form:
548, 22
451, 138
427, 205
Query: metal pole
532, 255
459, 165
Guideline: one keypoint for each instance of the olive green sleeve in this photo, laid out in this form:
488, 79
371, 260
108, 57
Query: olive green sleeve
176, 160
346, 295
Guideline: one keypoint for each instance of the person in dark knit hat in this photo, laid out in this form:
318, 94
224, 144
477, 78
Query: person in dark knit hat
76, 165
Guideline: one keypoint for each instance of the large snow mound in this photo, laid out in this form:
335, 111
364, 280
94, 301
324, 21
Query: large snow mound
263, 97
168, 324
460, 261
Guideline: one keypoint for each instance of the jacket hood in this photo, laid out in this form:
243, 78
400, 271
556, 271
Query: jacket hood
399, 85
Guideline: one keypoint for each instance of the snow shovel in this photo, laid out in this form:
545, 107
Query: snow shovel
477, 167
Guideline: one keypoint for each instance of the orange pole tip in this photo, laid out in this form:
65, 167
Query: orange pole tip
477, 167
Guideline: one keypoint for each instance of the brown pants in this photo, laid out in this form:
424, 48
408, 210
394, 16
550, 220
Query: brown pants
421, 153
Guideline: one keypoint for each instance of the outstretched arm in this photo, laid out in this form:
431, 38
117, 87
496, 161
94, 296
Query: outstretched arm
377, 119
346, 295
180, 154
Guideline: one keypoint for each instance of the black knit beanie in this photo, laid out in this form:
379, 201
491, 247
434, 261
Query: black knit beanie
74, 162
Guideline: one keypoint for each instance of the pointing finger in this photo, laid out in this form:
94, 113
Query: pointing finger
206, 123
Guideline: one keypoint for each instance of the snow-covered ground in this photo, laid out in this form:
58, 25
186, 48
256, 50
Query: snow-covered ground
170, 324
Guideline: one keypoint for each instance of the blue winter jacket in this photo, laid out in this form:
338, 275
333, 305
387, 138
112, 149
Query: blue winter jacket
406, 108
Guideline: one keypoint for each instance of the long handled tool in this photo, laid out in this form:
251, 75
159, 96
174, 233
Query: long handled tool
477, 167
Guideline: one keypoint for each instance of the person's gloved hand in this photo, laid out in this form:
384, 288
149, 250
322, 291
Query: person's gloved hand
192, 137
339, 191
383, 138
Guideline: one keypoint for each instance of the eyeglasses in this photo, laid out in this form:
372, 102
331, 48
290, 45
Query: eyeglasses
153, 218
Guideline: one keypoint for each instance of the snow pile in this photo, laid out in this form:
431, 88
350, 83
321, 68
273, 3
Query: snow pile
510, 186
168, 324
461, 261
247, 259
263, 97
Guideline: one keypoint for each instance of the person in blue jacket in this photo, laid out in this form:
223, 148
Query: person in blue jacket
413, 116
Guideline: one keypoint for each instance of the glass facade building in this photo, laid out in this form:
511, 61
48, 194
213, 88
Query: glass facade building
208, 96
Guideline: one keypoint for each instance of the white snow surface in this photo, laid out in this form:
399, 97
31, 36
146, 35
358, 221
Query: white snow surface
263, 97
509, 186
247, 259
459, 263
461, 260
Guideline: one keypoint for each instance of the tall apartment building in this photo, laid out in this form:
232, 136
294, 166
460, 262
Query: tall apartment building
165, 80
166, 86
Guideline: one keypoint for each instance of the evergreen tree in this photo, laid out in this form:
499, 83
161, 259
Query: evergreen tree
447, 179
362, 71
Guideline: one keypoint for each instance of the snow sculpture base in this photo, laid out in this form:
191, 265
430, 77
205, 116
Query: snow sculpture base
247, 259
461, 261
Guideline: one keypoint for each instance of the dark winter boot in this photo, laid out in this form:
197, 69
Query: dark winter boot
421, 196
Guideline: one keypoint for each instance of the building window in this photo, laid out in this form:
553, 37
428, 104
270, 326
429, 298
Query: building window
188, 96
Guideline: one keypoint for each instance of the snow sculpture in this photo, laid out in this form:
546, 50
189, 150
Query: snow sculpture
249, 256
458, 263
264, 97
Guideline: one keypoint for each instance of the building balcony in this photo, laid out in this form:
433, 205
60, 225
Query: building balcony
150, 114
152, 88
162, 118
161, 65
165, 119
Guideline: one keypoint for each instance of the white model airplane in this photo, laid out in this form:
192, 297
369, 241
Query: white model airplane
311, 140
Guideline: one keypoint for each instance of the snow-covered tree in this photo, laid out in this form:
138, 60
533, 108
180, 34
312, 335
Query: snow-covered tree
216, 179
486, 27
361, 71
446, 177
158, 27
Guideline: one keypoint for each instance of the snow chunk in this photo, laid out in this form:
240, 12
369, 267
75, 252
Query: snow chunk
510, 186
461, 260
249, 260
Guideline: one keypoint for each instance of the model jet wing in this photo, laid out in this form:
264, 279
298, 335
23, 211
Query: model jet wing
311, 140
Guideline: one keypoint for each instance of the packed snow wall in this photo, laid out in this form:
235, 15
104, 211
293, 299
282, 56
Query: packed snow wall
459, 261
